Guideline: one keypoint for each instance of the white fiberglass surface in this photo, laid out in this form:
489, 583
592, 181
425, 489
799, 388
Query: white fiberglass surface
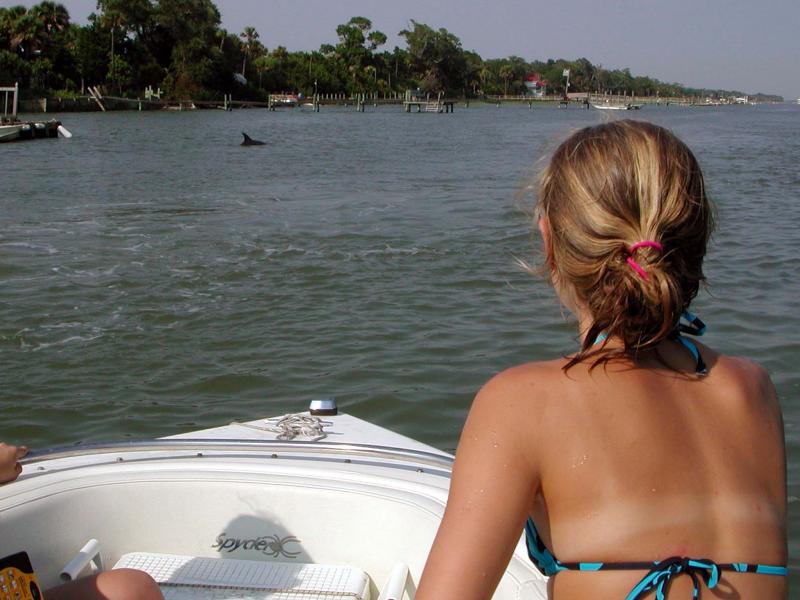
310, 517
266, 511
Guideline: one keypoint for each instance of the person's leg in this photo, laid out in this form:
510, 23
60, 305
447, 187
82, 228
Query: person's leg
119, 584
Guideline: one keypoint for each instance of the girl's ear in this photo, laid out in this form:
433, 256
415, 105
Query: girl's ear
566, 294
544, 229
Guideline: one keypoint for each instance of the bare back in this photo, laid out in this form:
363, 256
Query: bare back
621, 464
639, 464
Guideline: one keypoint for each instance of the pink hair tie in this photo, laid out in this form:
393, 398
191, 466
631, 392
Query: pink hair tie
636, 266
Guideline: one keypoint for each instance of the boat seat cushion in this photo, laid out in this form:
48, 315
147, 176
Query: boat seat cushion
188, 577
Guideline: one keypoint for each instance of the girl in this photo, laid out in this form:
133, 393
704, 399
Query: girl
645, 464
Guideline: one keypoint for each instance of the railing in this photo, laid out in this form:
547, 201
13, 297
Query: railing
241, 447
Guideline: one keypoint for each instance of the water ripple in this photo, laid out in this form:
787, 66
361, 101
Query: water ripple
381, 269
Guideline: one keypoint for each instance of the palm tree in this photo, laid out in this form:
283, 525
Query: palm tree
25, 35
9, 17
53, 17
250, 37
53, 22
112, 18
280, 57
221, 34
506, 72
371, 75
484, 74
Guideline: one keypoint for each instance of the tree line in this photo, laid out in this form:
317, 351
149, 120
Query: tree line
181, 47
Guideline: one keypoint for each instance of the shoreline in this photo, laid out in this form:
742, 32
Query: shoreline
56, 104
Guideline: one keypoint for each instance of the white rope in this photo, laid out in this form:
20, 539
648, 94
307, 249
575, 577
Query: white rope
292, 425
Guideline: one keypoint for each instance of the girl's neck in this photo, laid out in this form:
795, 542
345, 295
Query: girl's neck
584, 323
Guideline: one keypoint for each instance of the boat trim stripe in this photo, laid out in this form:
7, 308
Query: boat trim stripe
233, 445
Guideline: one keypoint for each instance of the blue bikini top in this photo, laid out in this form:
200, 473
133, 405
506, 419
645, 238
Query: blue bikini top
692, 326
659, 573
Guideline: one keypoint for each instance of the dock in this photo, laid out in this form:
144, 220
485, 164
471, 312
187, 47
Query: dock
439, 105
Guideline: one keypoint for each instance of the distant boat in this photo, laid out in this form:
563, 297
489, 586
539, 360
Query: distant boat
180, 106
611, 106
617, 106
9, 133
31, 130
284, 100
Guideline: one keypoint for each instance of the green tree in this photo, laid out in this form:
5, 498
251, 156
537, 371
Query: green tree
250, 38
13, 69
485, 74
375, 39
53, 19
180, 46
117, 17
436, 57
188, 29
134, 17
472, 73
24, 34
53, 48
357, 43
91, 54
506, 73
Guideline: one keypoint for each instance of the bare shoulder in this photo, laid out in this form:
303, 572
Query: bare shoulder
750, 381
747, 373
517, 386
517, 399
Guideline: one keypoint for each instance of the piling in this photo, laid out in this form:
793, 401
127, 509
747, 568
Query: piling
96, 96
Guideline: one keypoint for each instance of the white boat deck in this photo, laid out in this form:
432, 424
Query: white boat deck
340, 429
188, 577
238, 497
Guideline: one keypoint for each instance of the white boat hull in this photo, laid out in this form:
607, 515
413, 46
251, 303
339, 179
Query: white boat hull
372, 504
617, 106
611, 106
9, 133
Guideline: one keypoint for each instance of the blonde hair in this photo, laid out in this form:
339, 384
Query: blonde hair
606, 189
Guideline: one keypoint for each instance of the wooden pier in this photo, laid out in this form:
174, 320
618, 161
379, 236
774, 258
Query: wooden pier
440, 105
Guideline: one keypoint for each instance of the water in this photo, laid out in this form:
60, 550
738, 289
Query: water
156, 277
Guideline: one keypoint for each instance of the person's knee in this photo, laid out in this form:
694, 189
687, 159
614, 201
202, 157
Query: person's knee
128, 584
118, 584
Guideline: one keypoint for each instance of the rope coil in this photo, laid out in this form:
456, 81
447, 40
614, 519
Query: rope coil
292, 425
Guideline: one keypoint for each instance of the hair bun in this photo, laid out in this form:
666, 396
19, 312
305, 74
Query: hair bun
626, 180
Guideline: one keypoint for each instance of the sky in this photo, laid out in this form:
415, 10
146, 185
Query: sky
747, 45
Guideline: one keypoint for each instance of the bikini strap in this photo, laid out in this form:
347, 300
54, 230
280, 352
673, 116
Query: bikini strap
540, 555
660, 576
661, 573
698, 569
693, 326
